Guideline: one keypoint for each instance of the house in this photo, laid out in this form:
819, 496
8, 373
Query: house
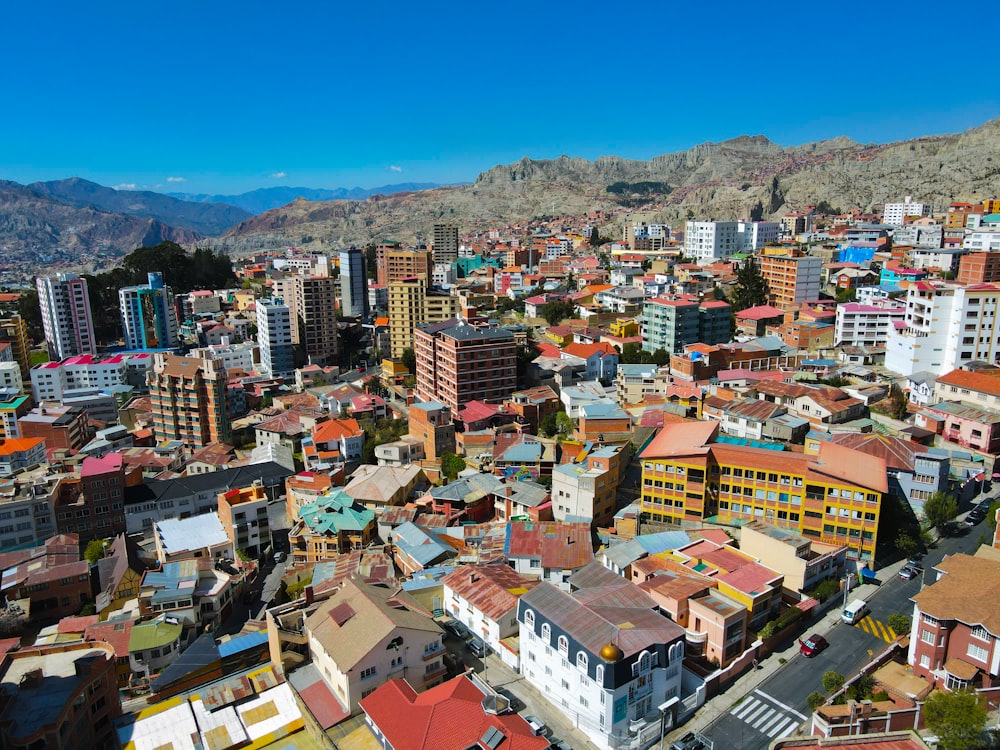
402, 719
119, 573
379, 487
967, 426
550, 551
212, 457
52, 576
202, 536
191, 591
603, 421
604, 638
955, 636
333, 524
341, 436
402, 452
484, 598
803, 562
601, 359
154, 644
520, 456
364, 635
980, 388
415, 548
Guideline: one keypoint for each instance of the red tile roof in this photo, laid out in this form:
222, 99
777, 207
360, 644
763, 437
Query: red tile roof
116, 634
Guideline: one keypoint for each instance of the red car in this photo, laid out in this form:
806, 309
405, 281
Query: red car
813, 645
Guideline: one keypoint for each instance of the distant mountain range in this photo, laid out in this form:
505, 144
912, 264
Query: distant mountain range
264, 199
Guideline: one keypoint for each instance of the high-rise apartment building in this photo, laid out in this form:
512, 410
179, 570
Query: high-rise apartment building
670, 323
66, 316
189, 401
791, 279
708, 241
353, 283
458, 363
274, 337
394, 263
895, 213
411, 303
149, 320
312, 301
445, 243
14, 331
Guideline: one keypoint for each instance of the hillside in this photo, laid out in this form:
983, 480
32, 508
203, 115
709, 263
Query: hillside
264, 199
202, 218
37, 232
744, 177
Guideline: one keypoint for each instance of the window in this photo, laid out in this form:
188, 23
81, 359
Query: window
927, 637
529, 618
563, 646
546, 632
925, 661
581, 660
369, 672
977, 652
981, 633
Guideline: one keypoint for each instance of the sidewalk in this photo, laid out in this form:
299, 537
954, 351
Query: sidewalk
722, 704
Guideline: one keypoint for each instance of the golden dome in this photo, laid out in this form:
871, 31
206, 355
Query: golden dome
611, 653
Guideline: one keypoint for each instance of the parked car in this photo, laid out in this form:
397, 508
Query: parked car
813, 645
689, 741
536, 724
976, 515
478, 647
457, 629
910, 570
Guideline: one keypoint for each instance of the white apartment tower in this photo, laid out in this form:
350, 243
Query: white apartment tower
274, 337
946, 326
66, 317
709, 241
895, 213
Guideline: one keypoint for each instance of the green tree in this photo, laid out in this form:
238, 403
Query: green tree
940, 508
661, 357
564, 425
957, 718
31, 312
899, 623
751, 286
558, 310
861, 688
94, 550
633, 354
452, 465
846, 295
832, 681
410, 360
547, 425
595, 237
906, 544
814, 700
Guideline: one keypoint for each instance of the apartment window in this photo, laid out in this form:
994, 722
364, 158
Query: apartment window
546, 632
981, 633
563, 646
369, 672
977, 652
927, 636
581, 660
925, 661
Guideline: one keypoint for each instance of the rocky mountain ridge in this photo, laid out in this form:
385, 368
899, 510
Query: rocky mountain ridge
264, 199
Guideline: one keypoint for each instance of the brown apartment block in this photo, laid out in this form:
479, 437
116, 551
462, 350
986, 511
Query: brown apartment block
60, 426
189, 401
401, 262
91, 500
52, 577
65, 697
458, 363
431, 423
979, 268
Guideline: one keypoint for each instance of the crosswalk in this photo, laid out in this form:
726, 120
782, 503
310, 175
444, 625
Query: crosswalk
767, 715
876, 628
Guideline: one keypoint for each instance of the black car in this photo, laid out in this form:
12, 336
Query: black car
457, 629
976, 515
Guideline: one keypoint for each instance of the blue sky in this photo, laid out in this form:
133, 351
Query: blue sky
227, 97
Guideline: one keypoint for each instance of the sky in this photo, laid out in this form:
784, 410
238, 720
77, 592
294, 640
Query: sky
225, 97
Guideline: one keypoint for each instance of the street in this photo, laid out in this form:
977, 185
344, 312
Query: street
777, 707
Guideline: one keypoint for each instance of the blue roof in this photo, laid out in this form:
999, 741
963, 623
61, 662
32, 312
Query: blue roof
751, 443
422, 546
242, 643
524, 452
663, 541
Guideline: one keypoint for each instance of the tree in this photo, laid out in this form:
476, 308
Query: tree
547, 425
906, 544
940, 508
661, 357
558, 310
861, 688
94, 551
564, 425
899, 623
633, 354
751, 286
832, 681
595, 237
957, 718
814, 700
452, 465
30, 311
410, 360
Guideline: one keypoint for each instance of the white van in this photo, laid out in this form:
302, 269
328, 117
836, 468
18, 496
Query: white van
854, 611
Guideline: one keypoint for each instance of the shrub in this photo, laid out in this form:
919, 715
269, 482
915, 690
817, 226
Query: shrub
814, 700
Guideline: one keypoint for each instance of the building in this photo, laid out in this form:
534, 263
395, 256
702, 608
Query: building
431, 423
274, 337
91, 505
402, 719
584, 492
393, 263
51, 576
445, 244
458, 363
61, 697
412, 303
962, 424
364, 635
549, 551
190, 591
83, 374
354, 283
243, 514
947, 326
604, 653
60, 426
18, 454
154, 644
28, 508
707, 241
670, 323
802, 562
332, 525
791, 280
955, 636
979, 268
14, 331
189, 400
835, 497
867, 325
148, 317
312, 303
66, 316
192, 538
895, 214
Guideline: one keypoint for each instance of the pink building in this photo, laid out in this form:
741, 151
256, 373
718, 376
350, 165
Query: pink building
963, 425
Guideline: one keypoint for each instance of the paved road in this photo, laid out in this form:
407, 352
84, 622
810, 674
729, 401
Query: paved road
776, 707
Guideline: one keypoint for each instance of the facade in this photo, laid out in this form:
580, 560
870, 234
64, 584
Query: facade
332, 525
66, 317
149, 320
946, 326
59, 426
312, 304
955, 636
189, 400
895, 214
867, 325
606, 678
243, 514
964, 425
981, 389
431, 423
445, 244
154, 645
411, 303
803, 563
707, 241
458, 363
274, 337
791, 280
93, 506
28, 508
76, 715
55, 381
670, 323
980, 268
583, 493
353, 283
396, 264
51, 576
834, 498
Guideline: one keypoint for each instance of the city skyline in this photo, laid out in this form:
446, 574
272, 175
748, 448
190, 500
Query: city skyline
203, 100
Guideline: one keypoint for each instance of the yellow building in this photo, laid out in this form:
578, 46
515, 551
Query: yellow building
14, 331
991, 206
834, 497
412, 303
624, 328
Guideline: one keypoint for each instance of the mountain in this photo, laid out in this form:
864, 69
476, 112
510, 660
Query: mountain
204, 218
745, 177
38, 232
264, 199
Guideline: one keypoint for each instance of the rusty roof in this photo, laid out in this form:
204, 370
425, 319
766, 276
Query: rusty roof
492, 589
560, 546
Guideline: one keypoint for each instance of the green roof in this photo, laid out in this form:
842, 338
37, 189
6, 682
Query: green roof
334, 512
154, 634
